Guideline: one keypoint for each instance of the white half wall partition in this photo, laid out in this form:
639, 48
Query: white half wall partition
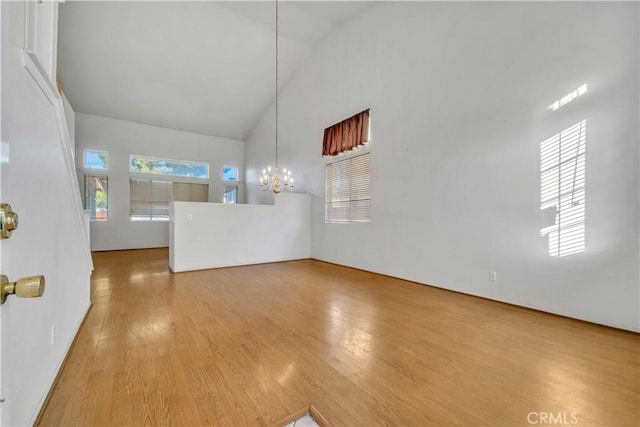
211, 235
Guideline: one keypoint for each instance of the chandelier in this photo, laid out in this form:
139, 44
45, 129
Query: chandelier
273, 179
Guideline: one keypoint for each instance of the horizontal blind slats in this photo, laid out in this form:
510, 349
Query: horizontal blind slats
149, 199
348, 190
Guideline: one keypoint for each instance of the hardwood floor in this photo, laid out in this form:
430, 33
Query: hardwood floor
251, 345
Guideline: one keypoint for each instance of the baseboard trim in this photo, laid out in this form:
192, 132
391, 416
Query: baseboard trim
45, 401
281, 261
129, 249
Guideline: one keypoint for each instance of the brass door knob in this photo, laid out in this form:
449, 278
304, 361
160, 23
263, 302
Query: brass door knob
8, 220
27, 287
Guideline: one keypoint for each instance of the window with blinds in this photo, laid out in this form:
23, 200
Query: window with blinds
188, 192
348, 190
563, 189
149, 199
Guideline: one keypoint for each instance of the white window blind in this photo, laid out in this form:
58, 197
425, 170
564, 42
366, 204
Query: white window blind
348, 190
188, 192
149, 199
563, 189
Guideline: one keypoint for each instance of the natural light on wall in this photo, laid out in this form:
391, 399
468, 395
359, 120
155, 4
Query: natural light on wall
568, 98
562, 189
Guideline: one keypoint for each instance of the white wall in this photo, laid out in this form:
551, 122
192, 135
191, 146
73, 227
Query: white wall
38, 179
70, 115
211, 235
458, 95
120, 139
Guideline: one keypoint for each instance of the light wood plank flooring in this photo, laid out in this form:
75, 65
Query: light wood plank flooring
250, 345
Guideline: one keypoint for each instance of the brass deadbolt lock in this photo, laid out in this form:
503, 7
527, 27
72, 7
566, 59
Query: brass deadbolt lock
8, 220
27, 287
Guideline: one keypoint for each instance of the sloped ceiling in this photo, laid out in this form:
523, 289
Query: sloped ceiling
203, 66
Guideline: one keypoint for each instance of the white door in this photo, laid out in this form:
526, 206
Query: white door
1, 180
37, 178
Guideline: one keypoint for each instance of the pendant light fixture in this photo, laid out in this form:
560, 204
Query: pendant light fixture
273, 179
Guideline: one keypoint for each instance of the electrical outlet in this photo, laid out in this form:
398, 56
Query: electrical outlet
493, 276
53, 334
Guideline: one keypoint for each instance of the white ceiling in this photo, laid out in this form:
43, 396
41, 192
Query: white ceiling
205, 66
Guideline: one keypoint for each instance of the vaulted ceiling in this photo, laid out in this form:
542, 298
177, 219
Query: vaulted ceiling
202, 66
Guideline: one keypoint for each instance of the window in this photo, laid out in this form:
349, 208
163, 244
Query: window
96, 191
149, 199
348, 190
188, 192
156, 165
96, 159
563, 189
230, 195
230, 173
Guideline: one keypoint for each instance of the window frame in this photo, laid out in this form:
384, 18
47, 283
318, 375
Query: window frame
170, 176
89, 168
93, 215
151, 217
364, 150
224, 193
237, 173
154, 179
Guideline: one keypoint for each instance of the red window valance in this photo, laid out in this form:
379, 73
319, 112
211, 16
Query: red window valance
346, 135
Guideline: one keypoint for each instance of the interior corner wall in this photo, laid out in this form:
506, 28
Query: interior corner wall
120, 139
459, 95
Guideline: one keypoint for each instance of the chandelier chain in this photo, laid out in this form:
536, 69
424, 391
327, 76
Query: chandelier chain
277, 60
276, 180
